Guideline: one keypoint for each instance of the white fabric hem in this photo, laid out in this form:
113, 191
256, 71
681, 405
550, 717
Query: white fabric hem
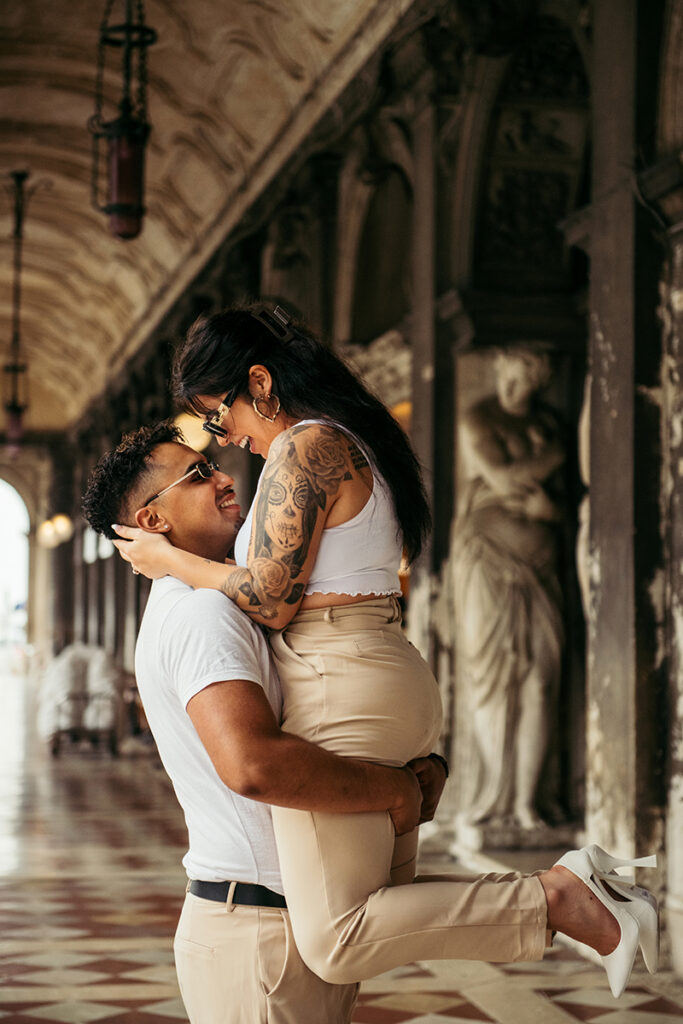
353, 593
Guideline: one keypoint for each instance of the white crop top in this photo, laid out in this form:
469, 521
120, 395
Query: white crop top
360, 556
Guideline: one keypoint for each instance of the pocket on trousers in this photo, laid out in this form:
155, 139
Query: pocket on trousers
367, 645
185, 947
273, 950
305, 665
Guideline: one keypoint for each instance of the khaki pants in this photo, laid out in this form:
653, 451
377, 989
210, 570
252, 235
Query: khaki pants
353, 684
239, 965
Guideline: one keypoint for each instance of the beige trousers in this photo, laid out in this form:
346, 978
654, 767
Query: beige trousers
354, 684
240, 965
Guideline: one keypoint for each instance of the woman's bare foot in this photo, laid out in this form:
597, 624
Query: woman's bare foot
576, 912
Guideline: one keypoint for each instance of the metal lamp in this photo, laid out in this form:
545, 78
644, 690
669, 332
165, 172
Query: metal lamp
126, 136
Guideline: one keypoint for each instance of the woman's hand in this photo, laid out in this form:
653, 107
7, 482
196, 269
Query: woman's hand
148, 553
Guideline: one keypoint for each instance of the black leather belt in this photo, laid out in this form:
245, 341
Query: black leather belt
246, 894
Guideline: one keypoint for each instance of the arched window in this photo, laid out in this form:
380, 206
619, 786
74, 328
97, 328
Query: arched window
14, 577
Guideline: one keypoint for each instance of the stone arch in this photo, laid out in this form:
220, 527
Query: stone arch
472, 119
10, 589
20, 482
378, 159
534, 167
31, 477
509, 131
382, 290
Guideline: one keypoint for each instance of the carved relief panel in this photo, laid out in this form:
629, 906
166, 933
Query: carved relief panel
535, 166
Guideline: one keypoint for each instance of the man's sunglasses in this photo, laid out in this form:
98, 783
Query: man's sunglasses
205, 470
278, 323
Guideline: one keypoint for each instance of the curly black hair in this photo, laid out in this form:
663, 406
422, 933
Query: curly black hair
115, 476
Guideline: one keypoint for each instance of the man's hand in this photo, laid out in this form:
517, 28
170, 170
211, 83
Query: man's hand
431, 776
405, 814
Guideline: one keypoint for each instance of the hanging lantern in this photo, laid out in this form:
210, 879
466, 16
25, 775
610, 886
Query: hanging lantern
126, 136
15, 402
15, 391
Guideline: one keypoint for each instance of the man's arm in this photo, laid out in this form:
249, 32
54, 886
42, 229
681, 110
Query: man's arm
256, 759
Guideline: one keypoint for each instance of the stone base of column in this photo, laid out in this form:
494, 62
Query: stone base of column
508, 835
674, 927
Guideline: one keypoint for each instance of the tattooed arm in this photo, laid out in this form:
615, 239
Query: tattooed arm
309, 467
306, 470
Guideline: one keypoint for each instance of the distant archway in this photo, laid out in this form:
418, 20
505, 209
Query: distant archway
14, 558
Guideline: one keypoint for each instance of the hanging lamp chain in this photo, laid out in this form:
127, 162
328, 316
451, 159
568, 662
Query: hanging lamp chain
133, 37
142, 64
14, 368
96, 119
19, 178
95, 124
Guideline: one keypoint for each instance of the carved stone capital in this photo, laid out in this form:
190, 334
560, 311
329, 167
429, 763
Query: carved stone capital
661, 186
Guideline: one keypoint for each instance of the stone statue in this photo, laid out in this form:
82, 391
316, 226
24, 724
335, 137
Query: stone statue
505, 589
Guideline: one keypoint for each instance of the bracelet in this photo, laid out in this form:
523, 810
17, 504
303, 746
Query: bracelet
441, 760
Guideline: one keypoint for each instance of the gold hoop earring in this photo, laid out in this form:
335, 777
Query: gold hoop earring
263, 415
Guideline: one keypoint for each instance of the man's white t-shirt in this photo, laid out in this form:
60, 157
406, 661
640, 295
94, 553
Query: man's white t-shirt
188, 640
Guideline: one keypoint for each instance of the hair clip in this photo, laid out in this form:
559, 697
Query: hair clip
280, 314
278, 323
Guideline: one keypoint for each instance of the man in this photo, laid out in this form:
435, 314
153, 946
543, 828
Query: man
212, 701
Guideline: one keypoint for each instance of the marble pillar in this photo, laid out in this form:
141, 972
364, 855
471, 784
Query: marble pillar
423, 341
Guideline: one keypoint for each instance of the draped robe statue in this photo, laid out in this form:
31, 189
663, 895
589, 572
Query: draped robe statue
505, 590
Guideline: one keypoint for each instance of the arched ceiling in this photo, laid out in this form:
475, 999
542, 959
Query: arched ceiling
234, 88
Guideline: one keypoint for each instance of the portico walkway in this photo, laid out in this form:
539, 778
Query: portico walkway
91, 886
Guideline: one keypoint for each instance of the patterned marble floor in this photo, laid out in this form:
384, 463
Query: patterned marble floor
91, 886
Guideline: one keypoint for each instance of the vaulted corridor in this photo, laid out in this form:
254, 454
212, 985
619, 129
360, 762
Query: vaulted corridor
437, 189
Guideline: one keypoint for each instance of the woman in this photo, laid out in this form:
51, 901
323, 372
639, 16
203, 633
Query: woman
317, 561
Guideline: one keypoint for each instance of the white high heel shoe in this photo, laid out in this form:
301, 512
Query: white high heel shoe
643, 904
634, 914
604, 862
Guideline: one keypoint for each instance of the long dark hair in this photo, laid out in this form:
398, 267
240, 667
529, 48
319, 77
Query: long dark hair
311, 383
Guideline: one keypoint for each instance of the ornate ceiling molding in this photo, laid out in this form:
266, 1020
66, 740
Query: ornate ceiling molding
235, 89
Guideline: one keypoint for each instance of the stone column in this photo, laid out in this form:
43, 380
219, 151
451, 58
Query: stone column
130, 620
62, 556
673, 404
423, 339
624, 676
62, 596
662, 185
109, 610
611, 683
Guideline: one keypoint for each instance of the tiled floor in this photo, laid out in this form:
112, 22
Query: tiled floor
91, 886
